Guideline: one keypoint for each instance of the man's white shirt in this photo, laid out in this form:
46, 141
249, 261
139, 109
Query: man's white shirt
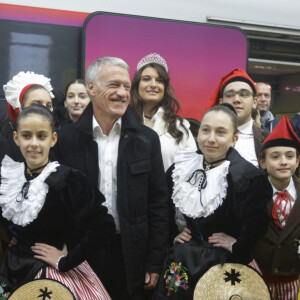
245, 143
107, 160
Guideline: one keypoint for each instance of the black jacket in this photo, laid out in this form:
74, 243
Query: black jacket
243, 214
142, 199
8, 145
259, 136
72, 214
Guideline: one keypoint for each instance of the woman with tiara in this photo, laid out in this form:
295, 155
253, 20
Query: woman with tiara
153, 99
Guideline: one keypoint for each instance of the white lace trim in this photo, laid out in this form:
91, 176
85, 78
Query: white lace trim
12, 180
186, 196
15, 86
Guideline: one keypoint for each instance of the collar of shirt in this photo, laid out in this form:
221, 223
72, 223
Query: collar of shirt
98, 132
246, 128
267, 117
159, 112
291, 189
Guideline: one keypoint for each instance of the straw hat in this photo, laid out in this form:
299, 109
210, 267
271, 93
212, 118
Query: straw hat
231, 282
42, 289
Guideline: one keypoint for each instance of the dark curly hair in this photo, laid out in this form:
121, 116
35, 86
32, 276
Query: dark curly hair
169, 103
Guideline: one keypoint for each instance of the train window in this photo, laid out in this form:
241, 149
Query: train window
48, 49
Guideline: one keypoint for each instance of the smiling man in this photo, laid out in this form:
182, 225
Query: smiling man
238, 89
123, 159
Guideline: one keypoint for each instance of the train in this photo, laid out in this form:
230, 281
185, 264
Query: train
201, 40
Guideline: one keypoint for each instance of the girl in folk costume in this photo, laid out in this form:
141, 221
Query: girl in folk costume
23, 90
223, 199
276, 252
52, 211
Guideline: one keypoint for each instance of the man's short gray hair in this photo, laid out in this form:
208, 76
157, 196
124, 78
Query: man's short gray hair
92, 73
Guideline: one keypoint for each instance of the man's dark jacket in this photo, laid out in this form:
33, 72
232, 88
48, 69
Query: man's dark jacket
259, 136
142, 198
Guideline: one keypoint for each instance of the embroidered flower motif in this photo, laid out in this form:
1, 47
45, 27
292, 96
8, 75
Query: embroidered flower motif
2, 293
175, 277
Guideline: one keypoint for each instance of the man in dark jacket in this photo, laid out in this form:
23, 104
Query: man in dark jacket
267, 119
296, 123
123, 158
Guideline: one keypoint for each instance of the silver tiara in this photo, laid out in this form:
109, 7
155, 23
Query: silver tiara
152, 58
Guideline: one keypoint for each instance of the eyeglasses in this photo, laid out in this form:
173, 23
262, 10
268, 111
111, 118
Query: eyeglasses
242, 93
260, 95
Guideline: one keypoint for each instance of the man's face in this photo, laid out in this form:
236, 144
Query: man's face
240, 95
263, 97
112, 96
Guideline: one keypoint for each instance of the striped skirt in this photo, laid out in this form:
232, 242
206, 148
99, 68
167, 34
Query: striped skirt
287, 289
81, 281
255, 266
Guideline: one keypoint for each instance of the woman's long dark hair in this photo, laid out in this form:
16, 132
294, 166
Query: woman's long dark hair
169, 103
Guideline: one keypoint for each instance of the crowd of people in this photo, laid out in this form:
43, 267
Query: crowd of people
116, 196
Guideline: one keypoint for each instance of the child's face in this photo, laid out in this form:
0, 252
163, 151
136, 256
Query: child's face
280, 162
35, 138
216, 135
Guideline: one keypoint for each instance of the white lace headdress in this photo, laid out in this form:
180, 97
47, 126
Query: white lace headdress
20, 83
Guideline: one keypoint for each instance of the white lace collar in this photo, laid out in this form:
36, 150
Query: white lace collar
12, 180
186, 196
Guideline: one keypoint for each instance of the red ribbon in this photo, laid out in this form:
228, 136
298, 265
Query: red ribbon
280, 207
14, 112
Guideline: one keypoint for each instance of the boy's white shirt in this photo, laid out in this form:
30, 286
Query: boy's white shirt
245, 143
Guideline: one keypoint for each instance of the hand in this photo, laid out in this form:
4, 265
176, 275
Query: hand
184, 236
150, 280
222, 240
12, 242
48, 254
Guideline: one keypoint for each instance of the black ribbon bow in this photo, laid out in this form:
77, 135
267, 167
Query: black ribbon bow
23, 195
198, 175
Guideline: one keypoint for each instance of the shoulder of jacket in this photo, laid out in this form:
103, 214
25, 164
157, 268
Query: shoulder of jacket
258, 130
241, 171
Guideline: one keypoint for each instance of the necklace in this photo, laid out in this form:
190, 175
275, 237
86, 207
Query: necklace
208, 165
30, 171
147, 117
